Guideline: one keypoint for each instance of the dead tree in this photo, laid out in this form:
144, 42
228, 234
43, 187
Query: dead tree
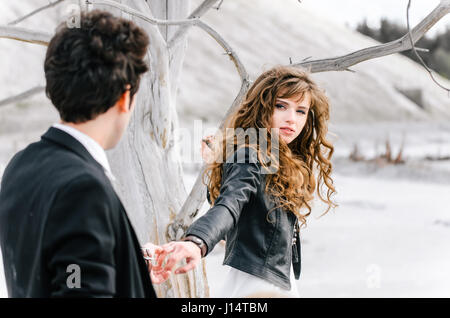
146, 164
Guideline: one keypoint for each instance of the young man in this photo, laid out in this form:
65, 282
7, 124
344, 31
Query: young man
63, 229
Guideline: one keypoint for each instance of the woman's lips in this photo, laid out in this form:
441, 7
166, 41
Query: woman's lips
287, 131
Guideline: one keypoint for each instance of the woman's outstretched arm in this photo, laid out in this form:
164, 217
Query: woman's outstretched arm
240, 182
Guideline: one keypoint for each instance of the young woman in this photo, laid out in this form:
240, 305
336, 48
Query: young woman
261, 196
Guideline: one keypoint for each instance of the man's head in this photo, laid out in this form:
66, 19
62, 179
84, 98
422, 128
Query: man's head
93, 72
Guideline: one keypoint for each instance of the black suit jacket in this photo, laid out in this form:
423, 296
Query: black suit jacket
58, 210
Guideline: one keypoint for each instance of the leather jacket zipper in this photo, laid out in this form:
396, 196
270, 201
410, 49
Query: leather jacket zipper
295, 255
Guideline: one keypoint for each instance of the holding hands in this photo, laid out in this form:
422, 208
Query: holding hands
163, 259
154, 257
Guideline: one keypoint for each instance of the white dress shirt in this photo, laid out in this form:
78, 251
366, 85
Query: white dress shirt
96, 151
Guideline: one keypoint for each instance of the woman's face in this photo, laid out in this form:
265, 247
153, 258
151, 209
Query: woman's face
289, 116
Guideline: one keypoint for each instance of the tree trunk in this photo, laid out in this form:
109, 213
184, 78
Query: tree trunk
147, 167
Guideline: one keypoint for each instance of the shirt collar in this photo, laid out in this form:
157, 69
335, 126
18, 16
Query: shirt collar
93, 147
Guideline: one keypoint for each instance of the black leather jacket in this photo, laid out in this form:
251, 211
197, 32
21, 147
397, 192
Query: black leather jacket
257, 242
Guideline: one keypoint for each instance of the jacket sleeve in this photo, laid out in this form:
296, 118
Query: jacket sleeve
79, 241
240, 182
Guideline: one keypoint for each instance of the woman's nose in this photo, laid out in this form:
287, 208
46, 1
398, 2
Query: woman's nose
291, 116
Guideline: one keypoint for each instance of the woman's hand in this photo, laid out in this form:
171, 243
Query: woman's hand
154, 256
178, 251
208, 149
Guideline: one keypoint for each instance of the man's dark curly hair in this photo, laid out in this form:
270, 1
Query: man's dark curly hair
88, 68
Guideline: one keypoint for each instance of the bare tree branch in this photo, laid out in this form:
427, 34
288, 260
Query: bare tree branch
420, 49
197, 13
228, 50
138, 14
25, 35
187, 22
52, 4
342, 63
194, 21
414, 49
22, 96
197, 196
219, 5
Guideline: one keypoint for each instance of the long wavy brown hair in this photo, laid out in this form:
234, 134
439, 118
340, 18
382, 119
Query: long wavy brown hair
292, 186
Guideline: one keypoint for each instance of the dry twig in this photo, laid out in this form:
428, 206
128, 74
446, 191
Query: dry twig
414, 49
52, 4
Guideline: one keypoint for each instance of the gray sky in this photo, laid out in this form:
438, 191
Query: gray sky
353, 11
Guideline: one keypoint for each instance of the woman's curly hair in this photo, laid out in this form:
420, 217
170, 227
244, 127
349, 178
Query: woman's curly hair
88, 68
293, 184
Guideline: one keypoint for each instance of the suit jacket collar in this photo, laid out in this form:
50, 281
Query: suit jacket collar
65, 140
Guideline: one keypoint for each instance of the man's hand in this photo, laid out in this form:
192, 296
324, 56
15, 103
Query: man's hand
178, 251
155, 256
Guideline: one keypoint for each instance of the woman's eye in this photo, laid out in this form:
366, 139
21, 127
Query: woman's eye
279, 106
301, 111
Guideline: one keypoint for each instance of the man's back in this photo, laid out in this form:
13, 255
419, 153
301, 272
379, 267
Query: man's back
59, 215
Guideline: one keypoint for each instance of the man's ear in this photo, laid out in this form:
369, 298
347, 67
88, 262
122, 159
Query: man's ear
124, 101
